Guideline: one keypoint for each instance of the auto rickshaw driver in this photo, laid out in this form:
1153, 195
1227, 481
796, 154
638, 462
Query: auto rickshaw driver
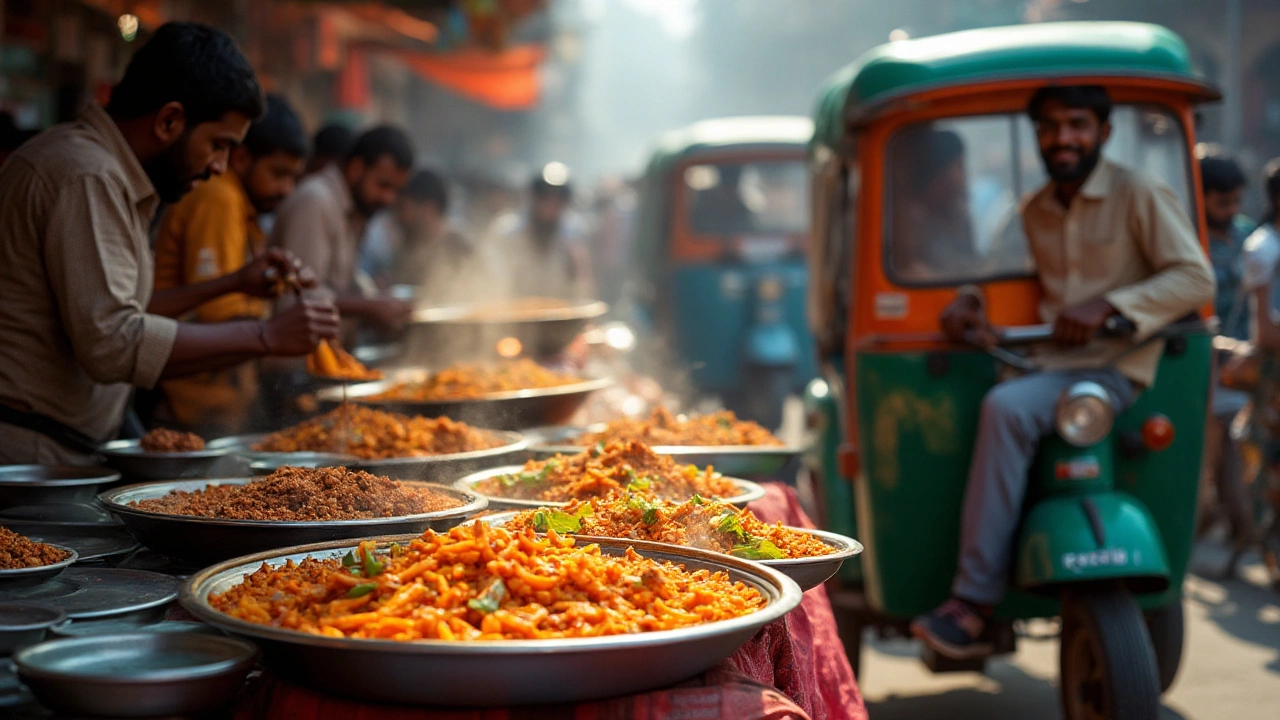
1107, 240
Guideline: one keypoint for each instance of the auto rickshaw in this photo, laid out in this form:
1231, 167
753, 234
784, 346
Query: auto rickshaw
724, 215
1106, 531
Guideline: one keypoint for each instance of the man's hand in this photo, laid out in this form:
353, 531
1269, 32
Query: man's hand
965, 320
262, 277
1077, 325
300, 328
390, 313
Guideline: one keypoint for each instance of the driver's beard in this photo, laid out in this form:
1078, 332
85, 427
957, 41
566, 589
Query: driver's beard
168, 172
1081, 171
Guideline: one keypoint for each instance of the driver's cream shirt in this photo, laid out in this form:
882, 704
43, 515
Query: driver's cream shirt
1125, 237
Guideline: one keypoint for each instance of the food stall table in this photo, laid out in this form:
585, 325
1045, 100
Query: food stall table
793, 668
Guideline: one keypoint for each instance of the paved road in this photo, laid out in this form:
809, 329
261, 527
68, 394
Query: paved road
1231, 669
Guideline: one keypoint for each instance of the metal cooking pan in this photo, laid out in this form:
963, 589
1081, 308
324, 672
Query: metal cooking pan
747, 491
22, 485
809, 572
133, 462
467, 331
202, 539
513, 410
737, 460
497, 672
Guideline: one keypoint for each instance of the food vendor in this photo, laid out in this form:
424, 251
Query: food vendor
75, 263
214, 233
324, 221
543, 252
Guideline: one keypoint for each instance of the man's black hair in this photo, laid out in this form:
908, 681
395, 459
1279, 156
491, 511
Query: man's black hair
1272, 173
279, 130
333, 141
1220, 172
1088, 97
193, 64
929, 151
427, 186
380, 141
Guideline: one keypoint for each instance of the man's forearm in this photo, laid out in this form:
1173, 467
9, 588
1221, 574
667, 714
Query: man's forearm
173, 302
204, 347
356, 306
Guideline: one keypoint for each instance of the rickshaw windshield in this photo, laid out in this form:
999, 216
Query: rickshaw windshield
747, 198
954, 187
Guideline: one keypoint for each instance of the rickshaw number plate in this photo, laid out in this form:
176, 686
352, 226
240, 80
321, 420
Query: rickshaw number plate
891, 306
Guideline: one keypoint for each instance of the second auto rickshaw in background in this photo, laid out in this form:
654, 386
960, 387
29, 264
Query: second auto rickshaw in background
719, 254
923, 147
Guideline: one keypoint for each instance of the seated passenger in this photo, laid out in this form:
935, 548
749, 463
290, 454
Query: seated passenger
932, 228
1107, 241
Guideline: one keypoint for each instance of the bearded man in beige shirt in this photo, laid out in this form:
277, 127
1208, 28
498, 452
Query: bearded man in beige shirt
1107, 241
75, 266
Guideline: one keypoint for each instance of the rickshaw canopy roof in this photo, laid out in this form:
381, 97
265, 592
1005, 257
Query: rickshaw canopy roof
780, 132
1048, 50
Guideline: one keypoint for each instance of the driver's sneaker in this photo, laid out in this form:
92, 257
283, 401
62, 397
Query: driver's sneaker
955, 629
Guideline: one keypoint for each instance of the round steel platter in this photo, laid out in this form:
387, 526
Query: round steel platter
91, 543
40, 484
461, 332
747, 490
85, 592
513, 410
737, 460
497, 672
15, 579
133, 462
808, 572
203, 540
86, 514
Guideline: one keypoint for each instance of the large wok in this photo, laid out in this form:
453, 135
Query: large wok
472, 331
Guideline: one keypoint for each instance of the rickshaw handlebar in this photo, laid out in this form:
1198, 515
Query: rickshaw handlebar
1116, 326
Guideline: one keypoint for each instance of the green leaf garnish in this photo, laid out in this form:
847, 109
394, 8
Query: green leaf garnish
490, 599
370, 565
599, 448
644, 483
730, 524
697, 500
758, 549
558, 520
362, 590
349, 560
648, 511
724, 423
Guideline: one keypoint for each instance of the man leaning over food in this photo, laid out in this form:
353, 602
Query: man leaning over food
75, 265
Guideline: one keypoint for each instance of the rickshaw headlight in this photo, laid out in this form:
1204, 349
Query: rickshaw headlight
1084, 415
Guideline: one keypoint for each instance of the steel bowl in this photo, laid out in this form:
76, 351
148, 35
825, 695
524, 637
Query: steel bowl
41, 484
133, 462
512, 410
242, 446
736, 460
33, 576
91, 542
497, 672
23, 624
809, 572
136, 674
313, 460
204, 540
473, 330
747, 491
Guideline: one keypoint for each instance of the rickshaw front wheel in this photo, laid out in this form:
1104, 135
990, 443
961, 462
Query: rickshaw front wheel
1107, 665
1167, 629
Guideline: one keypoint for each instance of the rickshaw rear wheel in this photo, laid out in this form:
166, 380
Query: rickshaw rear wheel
1107, 665
1167, 629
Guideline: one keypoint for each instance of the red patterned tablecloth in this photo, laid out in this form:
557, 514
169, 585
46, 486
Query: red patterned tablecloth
793, 668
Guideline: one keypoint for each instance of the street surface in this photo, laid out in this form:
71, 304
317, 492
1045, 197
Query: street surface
1230, 669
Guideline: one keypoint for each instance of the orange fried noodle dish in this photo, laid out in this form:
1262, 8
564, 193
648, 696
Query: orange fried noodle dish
663, 428
482, 583
466, 381
374, 434
697, 522
603, 469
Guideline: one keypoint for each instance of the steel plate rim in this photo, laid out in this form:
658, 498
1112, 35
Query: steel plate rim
99, 476
456, 314
331, 395
132, 449
59, 617
516, 443
783, 595
473, 503
247, 654
57, 568
749, 491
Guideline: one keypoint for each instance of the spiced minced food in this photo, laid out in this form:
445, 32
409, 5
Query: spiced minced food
372, 434
164, 440
697, 522
18, 551
603, 469
302, 495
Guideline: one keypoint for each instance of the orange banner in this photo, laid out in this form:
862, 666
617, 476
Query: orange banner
506, 80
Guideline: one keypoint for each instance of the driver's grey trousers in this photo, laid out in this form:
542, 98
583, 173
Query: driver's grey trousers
1016, 414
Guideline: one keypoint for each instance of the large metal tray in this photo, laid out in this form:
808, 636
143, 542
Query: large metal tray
203, 540
457, 332
513, 410
748, 460
808, 573
133, 462
747, 491
41, 484
433, 468
499, 672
